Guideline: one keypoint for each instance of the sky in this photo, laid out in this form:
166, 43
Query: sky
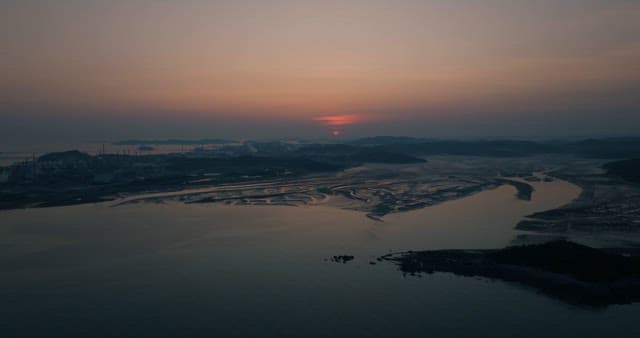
89, 70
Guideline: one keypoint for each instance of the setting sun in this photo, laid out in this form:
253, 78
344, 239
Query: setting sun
305, 168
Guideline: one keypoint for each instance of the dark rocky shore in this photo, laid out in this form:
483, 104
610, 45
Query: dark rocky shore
567, 271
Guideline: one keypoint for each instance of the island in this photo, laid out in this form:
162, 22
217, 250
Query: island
567, 271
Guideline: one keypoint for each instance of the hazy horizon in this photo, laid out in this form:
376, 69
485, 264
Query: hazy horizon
251, 201
75, 71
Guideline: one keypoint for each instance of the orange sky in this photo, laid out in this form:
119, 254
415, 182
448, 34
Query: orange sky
374, 60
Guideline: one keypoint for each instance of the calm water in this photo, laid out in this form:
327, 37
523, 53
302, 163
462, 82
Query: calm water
174, 270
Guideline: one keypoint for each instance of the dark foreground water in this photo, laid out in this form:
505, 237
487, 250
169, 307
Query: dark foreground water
173, 270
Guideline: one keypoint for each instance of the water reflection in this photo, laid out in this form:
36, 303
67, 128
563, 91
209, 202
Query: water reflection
238, 271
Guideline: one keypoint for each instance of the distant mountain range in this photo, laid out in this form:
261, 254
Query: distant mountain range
364, 148
628, 147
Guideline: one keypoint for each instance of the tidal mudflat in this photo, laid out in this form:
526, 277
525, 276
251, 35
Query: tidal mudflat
173, 268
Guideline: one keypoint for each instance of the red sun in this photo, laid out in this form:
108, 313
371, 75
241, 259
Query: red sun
336, 132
